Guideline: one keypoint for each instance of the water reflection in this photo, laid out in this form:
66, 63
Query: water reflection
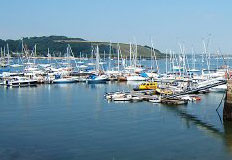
75, 116
228, 135
209, 129
95, 86
133, 83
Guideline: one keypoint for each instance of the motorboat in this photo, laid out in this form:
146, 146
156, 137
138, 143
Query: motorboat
136, 78
155, 99
186, 97
174, 101
164, 91
94, 79
221, 88
122, 78
126, 97
64, 80
111, 96
153, 75
136, 98
59, 79
147, 86
19, 82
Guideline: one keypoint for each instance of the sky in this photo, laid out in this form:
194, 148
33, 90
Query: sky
167, 23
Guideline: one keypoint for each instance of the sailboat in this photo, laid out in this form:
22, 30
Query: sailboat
94, 79
4, 61
80, 59
154, 74
16, 65
99, 77
193, 69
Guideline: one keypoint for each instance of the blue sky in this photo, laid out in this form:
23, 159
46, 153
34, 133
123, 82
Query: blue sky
167, 22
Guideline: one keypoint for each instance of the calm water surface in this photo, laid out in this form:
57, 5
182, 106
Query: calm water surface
74, 121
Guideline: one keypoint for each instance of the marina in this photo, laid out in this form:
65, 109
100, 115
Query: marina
115, 80
176, 83
94, 108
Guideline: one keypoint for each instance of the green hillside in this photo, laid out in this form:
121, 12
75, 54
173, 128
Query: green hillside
58, 44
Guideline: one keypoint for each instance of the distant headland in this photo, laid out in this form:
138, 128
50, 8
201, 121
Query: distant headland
58, 44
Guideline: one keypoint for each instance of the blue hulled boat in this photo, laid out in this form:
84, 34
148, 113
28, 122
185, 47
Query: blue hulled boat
94, 79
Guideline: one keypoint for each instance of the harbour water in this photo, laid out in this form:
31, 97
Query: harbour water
115, 80
74, 121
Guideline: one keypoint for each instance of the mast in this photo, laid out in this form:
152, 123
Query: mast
166, 61
170, 60
22, 46
35, 50
34, 53
1, 52
178, 64
118, 55
151, 59
92, 55
110, 57
217, 58
207, 54
173, 61
67, 54
97, 60
154, 52
49, 56
181, 59
72, 54
136, 54
8, 54
184, 61
130, 53
193, 59
123, 60
4, 51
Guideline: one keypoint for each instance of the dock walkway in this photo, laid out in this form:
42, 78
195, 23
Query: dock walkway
195, 90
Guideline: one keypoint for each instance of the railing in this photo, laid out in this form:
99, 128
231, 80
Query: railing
197, 89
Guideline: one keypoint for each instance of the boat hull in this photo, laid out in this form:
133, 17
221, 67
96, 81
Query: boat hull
174, 101
22, 84
97, 79
92, 81
64, 81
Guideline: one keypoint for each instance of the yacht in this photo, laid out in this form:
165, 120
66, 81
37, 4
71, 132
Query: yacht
93, 79
59, 79
19, 82
221, 88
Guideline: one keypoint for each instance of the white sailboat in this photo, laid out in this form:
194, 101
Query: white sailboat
98, 77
